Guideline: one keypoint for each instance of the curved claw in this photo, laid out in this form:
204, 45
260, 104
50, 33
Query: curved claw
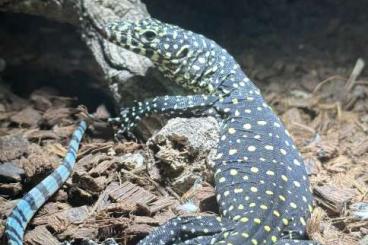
119, 135
125, 123
131, 136
123, 133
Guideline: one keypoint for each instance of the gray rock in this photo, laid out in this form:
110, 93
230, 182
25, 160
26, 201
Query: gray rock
133, 160
182, 148
10, 172
364, 240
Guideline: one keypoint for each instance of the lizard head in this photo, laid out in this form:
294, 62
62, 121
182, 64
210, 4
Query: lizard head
160, 42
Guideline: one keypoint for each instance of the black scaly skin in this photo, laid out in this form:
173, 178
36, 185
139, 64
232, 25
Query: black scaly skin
261, 182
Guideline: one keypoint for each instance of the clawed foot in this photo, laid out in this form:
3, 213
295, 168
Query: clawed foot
125, 123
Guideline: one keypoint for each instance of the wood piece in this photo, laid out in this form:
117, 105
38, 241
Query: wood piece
12, 146
206, 197
27, 117
138, 229
129, 192
59, 221
10, 189
40, 235
333, 198
160, 204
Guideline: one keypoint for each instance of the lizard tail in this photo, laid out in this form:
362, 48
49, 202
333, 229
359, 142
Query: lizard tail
35, 198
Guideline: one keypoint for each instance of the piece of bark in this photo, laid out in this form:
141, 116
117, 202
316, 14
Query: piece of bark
334, 198
206, 197
146, 220
102, 168
104, 198
120, 208
83, 233
79, 196
138, 229
90, 184
161, 203
39, 162
129, 192
59, 221
6, 206
37, 135
27, 117
11, 189
40, 235
12, 146
112, 227
55, 116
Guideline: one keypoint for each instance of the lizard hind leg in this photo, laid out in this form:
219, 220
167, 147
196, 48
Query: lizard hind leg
188, 230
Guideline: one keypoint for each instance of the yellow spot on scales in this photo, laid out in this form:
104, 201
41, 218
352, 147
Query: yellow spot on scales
257, 221
284, 178
233, 172
244, 220
302, 220
274, 239
293, 205
271, 173
282, 198
268, 192
254, 169
276, 213
264, 207
233, 152
267, 228
232, 130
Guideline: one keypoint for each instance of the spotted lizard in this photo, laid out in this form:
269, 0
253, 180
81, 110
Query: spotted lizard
261, 183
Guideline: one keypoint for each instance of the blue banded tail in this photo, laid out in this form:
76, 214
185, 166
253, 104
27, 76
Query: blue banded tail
35, 198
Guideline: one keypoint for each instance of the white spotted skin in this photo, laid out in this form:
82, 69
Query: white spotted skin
261, 183
201, 67
271, 185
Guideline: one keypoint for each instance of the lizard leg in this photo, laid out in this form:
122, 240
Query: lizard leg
168, 105
188, 230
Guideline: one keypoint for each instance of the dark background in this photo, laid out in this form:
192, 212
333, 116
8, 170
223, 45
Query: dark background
287, 41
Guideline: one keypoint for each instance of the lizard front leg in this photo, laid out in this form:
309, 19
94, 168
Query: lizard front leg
167, 105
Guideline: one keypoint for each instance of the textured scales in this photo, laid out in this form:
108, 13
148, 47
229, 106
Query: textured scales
35, 198
260, 179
